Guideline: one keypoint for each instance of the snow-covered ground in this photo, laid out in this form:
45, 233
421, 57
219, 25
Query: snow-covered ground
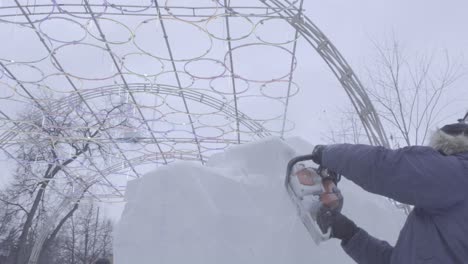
235, 210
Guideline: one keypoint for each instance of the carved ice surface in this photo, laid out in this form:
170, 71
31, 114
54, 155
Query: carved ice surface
235, 210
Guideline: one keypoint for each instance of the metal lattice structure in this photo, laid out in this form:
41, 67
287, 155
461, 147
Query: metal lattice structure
161, 80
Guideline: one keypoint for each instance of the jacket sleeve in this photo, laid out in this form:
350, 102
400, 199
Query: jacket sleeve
416, 175
365, 249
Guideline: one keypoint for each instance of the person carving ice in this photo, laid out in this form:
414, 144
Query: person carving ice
433, 179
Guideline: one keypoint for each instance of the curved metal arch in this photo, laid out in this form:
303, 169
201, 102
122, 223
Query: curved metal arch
339, 66
342, 71
287, 10
194, 95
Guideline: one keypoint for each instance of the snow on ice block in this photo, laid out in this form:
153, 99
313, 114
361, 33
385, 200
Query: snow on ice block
235, 210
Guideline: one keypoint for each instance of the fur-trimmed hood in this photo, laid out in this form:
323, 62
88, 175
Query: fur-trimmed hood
449, 144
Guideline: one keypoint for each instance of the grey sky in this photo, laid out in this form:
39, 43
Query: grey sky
422, 26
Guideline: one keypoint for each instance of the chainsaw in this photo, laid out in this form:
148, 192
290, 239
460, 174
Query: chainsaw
314, 191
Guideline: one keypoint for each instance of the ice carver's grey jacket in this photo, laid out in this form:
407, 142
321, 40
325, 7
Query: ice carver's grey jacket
436, 231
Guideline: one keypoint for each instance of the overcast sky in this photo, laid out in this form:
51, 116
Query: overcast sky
423, 27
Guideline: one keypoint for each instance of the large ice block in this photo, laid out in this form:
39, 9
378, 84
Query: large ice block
234, 210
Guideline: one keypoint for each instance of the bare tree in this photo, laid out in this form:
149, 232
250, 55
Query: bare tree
52, 141
348, 130
84, 239
8, 231
408, 91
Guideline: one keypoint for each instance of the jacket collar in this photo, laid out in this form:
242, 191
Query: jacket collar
448, 144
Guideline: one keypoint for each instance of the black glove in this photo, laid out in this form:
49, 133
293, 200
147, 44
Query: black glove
341, 227
317, 154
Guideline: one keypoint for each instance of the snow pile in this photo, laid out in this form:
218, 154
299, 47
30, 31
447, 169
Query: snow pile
235, 210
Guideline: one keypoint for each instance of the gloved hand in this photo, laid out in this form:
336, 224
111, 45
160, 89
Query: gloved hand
341, 227
325, 173
317, 154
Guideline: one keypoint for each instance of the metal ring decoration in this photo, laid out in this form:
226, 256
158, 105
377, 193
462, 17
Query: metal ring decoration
257, 99
204, 120
199, 76
165, 147
176, 119
207, 135
229, 83
165, 58
125, 60
39, 73
62, 9
272, 127
215, 147
122, 25
167, 8
274, 10
33, 34
7, 91
47, 81
14, 15
264, 90
123, 78
175, 108
154, 105
69, 20
189, 84
228, 16
262, 23
59, 48
126, 9
281, 77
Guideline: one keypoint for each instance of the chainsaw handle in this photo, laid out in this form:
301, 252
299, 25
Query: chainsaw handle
297, 159
293, 162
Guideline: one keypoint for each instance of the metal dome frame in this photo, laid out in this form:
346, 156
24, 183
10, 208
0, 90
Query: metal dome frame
291, 12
